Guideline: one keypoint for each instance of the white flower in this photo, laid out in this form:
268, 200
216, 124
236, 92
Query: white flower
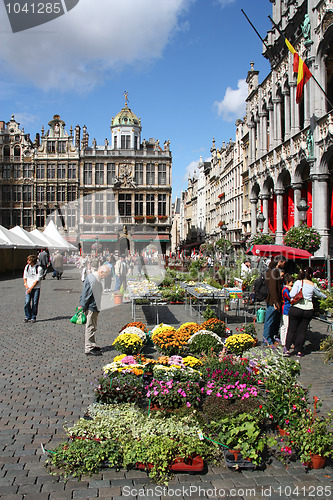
136, 331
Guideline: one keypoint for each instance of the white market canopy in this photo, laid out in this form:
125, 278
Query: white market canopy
52, 232
12, 240
48, 242
34, 240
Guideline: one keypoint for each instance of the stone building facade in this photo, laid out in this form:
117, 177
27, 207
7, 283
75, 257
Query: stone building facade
116, 195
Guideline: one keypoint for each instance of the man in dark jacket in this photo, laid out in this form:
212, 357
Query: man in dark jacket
44, 261
90, 302
274, 299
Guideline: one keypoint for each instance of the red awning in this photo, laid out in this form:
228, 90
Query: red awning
288, 252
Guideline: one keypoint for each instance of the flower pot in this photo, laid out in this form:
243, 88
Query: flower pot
317, 462
281, 431
118, 299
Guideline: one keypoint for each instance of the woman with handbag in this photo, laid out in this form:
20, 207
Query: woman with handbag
301, 311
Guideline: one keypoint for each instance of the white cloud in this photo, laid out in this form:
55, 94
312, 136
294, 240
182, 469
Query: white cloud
233, 103
25, 118
189, 171
82, 47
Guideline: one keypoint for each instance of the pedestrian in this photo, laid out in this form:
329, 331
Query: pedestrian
58, 266
32, 277
108, 279
300, 314
82, 265
245, 268
288, 283
121, 273
90, 302
273, 300
44, 261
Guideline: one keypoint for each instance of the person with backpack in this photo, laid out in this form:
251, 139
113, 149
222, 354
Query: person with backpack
32, 277
260, 288
288, 283
273, 300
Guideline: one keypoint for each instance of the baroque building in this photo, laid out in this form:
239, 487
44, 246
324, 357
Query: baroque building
115, 196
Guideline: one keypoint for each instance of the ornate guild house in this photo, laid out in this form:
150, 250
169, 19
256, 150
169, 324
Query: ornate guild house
115, 196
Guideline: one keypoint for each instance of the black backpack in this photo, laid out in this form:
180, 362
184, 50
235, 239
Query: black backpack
260, 288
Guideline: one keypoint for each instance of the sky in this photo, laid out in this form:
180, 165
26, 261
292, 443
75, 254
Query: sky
182, 62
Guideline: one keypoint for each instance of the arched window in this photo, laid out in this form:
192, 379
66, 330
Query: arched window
6, 151
17, 151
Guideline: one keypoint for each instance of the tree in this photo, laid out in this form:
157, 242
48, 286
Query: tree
303, 237
261, 239
224, 245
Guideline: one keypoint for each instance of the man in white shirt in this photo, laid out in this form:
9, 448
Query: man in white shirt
32, 277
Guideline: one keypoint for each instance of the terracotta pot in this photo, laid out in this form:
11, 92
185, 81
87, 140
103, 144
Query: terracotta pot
235, 453
317, 461
282, 432
118, 299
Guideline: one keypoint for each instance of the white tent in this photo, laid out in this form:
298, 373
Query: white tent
52, 232
4, 244
35, 241
48, 242
13, 240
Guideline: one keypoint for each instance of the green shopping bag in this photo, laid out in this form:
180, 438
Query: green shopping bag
79, 317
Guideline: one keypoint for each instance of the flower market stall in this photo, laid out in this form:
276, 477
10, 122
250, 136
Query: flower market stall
200, 396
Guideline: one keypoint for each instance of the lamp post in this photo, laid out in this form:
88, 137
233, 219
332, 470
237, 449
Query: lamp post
224, 229
96, 245
261, 221
302, 207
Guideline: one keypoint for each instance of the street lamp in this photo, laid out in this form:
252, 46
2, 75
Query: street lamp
96, 245
261, 221
224, 230
302, 207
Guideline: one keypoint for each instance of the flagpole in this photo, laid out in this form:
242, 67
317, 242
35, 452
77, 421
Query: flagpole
315, 79
263, 41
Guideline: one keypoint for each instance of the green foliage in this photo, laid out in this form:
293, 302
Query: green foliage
215, 408
327, 304
225, 246
173, 294
261, 239
209, 313
119, 388
205, 343
303, 237
326, 346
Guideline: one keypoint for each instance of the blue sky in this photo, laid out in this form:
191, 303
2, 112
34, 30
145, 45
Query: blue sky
183, 63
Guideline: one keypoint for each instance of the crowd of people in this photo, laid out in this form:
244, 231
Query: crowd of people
289, 306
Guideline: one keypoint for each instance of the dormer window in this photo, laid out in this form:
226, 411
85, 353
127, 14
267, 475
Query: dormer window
61, 147
51, 146
125, 141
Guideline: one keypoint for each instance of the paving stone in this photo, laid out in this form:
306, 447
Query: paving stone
109, 492
92, 493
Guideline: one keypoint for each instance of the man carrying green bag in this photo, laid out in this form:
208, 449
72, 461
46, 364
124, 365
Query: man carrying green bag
90, 303
79, 317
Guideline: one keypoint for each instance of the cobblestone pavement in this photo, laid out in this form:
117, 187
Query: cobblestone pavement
45, 382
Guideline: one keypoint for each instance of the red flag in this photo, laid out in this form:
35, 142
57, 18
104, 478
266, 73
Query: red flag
303, 72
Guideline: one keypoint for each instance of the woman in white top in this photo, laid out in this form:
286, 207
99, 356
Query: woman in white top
301, 313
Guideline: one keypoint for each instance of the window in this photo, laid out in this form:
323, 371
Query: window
17, 193
162, 204
110, 205
51, 171
138, 173
16, 217
61, 146
71, 193
5, 216
136, 142
17, 171
115, 142
40, 218
61, 194
27, 171
150, 174
40, 194
40, 171
162, 174
125, 141
6, 171
138, 204
27, 193
150, 204
27, 218
110, 173
87, 173
71, 217
17, 152
61, 171
87, 205
99, 197
50, 193
71, 171
51, 146
99, 173
125, 204
6, 193
6, 152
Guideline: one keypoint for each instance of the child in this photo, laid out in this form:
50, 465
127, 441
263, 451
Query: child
285, 307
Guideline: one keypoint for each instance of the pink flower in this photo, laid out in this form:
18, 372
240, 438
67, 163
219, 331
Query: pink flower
188, 404
209, 392
294, 407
